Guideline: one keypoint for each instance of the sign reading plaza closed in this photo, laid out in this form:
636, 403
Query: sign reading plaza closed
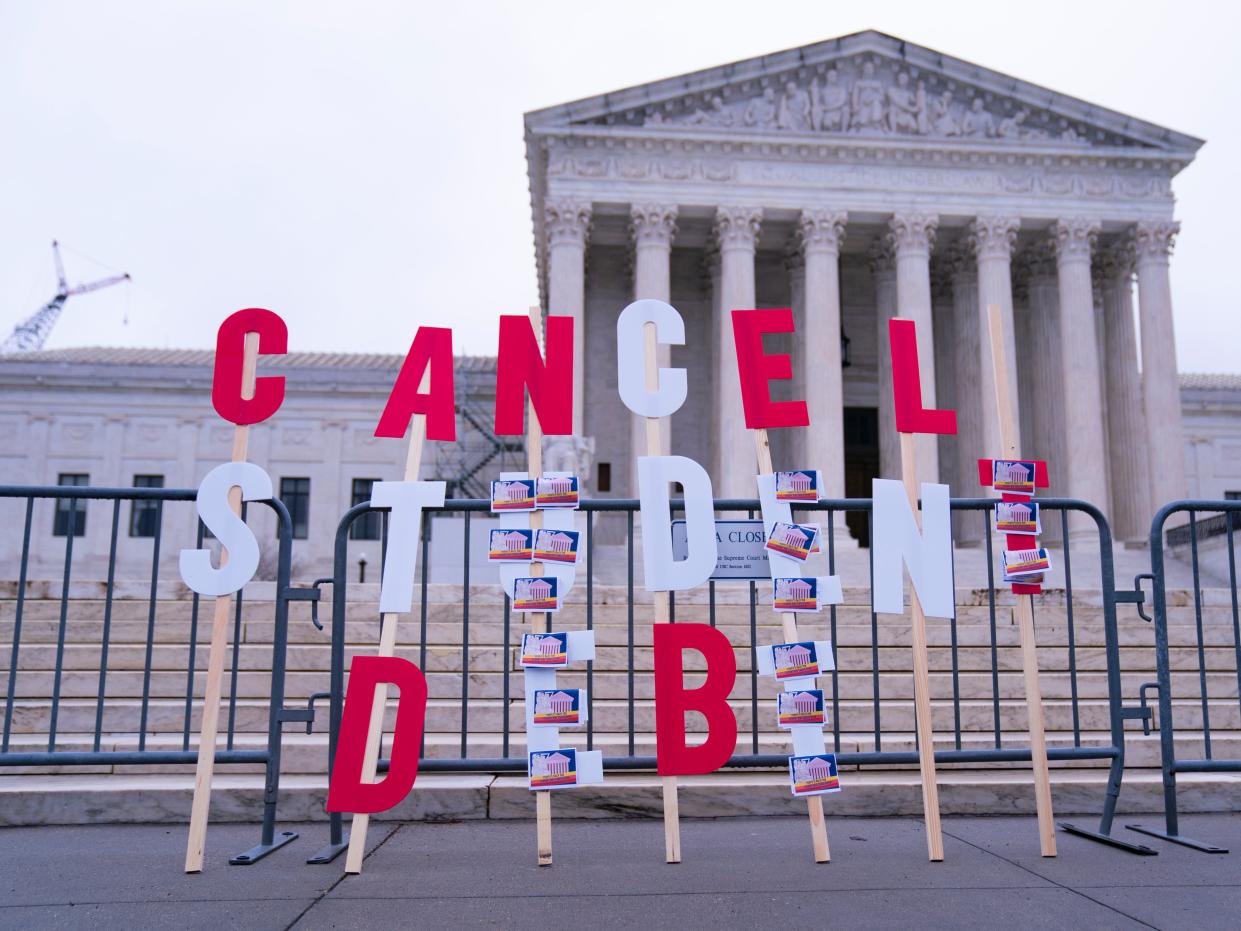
536, 368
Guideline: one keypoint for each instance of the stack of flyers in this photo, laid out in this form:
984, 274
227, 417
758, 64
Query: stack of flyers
556, 545
557, 491
1013, 476
814, 775
537, 593
553, 769
797, 486
796, 541
557, 706
1026, 565
512, 495
1018, 517
796, 594
510, 546
800, 706
550, 650
795, 660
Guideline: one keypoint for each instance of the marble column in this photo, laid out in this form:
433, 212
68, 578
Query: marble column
993, 238
1126, 416
1086, 458
1046, 396
1160, 383
943, 313
820, 233
962, 268
652, 226
566, 223
912, 235
736, 231
883, 267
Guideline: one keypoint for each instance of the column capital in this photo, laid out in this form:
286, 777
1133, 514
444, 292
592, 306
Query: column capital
880, 256
653, 224
912, 233
1038, 259
1117, 261
1074, 238
821, 230
794, 260
566, 220
993, 236
1154, 240
737, 227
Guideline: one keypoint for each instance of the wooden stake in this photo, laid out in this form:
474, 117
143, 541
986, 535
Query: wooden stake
788, 619
209, 730
387, 647
540, 622
922, 674
1025, 607
655, 447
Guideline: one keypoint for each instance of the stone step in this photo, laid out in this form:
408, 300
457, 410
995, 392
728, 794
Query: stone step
165, 799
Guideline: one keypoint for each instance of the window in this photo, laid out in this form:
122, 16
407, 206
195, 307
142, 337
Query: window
603, 477
295, 493
70, 510
144, 514
367, 526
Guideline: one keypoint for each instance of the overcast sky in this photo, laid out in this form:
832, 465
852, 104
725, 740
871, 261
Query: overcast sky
358, 167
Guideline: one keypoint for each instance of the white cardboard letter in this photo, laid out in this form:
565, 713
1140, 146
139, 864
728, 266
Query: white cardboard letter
631, 358
928, 555
236, 538
662, 573
406, 499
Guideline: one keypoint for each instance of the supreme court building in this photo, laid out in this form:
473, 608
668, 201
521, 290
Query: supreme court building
853, 180
849, 180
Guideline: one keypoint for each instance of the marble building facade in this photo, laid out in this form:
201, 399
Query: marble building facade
851, 180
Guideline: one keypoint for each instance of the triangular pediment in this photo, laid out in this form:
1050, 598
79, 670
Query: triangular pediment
866, 85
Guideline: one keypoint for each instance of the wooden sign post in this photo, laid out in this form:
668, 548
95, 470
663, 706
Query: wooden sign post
1025, 606
788, 619
655, 447
209, 730
922, 674
540, 622
387, 647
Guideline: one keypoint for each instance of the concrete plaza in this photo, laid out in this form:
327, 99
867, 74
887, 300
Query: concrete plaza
736, 873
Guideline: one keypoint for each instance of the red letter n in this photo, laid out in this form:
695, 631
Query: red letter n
520, 367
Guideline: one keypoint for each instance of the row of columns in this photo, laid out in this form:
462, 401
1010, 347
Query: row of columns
1110, 433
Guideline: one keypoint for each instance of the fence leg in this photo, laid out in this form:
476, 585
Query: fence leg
1173, 834
338, 842
1104, 834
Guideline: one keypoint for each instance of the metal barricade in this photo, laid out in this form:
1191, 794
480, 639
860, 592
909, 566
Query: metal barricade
1178, 706
106, 723
993, 688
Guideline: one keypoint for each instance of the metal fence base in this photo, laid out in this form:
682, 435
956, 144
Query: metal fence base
254, 854
330, 852
1178, 839
1140, 849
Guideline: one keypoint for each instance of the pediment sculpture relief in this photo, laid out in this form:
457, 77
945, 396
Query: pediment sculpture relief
865, 99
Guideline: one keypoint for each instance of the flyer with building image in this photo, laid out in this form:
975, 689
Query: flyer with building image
814, 775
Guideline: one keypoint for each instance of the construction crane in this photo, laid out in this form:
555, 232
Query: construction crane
33, 332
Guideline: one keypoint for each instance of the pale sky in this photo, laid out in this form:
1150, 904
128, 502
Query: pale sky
358, 167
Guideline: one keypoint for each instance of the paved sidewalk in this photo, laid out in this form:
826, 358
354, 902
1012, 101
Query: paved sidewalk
737, 873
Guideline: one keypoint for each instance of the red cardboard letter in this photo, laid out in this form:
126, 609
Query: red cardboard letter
347, 791
230, 354
432, 346
673, 699
911, 416
520, 366
756, 369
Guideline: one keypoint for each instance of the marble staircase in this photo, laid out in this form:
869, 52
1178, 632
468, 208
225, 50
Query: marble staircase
871, 653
